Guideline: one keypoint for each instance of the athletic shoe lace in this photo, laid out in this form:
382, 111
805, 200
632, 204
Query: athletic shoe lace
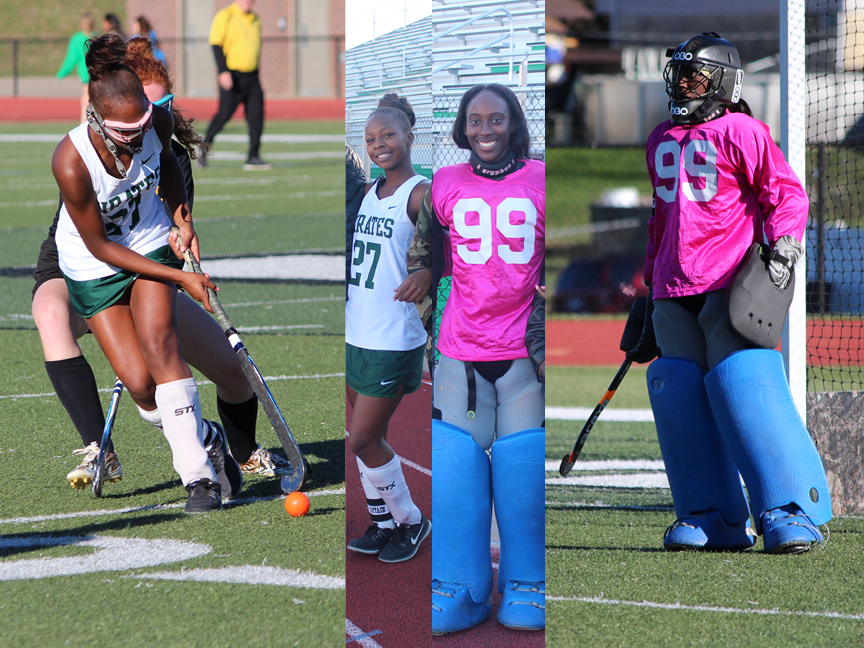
538, 587
440, 589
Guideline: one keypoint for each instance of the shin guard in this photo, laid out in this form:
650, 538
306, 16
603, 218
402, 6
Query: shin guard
754, 410
702, 475
518, 489
462, 510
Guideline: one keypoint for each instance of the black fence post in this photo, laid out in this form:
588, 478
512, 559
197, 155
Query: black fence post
14, 68
821, 191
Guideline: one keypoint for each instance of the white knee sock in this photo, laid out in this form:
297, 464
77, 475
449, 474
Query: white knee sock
389, 481
181, 418
151, 417
378, 509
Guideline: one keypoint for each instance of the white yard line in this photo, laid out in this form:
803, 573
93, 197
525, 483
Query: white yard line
53, 138
152, 507
415, 466
583, 413
252, 575
203, 382
612, 464
706, 608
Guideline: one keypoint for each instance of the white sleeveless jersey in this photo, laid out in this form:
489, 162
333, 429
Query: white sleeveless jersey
132, 213
379, 256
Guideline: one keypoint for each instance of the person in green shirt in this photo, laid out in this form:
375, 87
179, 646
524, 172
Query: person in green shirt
74, 61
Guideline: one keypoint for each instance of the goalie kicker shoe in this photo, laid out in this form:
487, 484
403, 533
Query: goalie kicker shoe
405, 541
226, 468
788, 530
83, 475
204, 496
264, 462
373, 541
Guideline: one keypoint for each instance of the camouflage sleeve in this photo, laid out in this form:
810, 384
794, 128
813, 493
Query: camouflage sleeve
355, 182
535, 333
427, 248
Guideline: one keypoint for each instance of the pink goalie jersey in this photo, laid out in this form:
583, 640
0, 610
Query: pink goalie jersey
497, 247
716, 186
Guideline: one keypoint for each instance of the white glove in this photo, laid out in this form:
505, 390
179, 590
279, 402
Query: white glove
783, 258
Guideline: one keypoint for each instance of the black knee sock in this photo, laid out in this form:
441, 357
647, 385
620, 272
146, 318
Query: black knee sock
75, 385
239, 421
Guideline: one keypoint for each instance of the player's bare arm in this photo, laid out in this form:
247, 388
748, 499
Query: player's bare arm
76, 188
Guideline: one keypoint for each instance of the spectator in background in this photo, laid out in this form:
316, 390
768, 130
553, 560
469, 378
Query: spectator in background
74, 61
111, 25
142, 27
235, 36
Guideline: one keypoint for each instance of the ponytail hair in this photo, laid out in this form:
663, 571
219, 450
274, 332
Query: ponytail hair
740, 107
399, 108
111, 80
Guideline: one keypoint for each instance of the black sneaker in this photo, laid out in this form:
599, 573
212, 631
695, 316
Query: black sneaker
373, 541
254, 163
405, 541
227, 469
201, 156
204, 496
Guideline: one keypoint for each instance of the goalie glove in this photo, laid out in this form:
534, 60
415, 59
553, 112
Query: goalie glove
638, 341
787, 250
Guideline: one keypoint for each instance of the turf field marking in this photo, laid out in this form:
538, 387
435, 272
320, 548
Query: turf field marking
252, 575
236, 156
582, 414
601, 505
706, 608
53, 138
154, 507
612, 464
255, 329
112, 554
363, 638
307, 300
39, 184
415, 466
650, 480
203, 382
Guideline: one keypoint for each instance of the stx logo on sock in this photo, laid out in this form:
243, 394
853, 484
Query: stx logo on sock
180, 411
391, 486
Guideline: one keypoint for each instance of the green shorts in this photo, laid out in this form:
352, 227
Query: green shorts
95, 295
381, 373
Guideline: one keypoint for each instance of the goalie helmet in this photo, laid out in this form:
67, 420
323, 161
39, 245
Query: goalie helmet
703, 74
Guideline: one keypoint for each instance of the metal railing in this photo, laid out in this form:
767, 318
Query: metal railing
43, 57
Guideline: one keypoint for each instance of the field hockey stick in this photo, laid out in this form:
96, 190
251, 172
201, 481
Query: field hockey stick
99, 475
569, 460
294, 480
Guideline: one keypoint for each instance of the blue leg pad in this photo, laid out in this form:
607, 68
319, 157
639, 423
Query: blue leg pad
462, 510
709, 500
518, 488
754, 410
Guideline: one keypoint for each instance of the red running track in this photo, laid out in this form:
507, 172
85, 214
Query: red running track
834, 342
390, 606
29, 109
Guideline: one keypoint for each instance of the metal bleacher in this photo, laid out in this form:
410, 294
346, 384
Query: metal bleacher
433, 61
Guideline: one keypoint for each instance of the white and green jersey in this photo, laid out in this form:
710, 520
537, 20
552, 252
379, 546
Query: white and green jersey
382, 236
132, 213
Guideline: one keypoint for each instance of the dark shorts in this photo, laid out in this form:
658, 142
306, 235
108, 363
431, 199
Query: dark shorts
95, 295
381, 373
48, 263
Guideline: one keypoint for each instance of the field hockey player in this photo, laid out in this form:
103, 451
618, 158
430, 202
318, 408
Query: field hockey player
722, 406
487, 393
384, 337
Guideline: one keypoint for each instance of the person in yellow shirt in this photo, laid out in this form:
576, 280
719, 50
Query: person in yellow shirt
235, 36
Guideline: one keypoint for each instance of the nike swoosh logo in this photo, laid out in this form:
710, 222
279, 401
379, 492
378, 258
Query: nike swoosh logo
148, 159
389, 382
415, 539
392, 206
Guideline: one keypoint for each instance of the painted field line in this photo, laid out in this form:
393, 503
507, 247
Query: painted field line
612, 464
203, 382
153, 507
706, 608
307, 300
39, 184
262, 196
582, 414
232, 156
356, 633
415, 466
54, 138
636, 480
252, 575
289, 327
296, 266
601, 505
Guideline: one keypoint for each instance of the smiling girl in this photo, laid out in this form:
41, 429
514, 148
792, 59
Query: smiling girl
384, 337
487, 395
